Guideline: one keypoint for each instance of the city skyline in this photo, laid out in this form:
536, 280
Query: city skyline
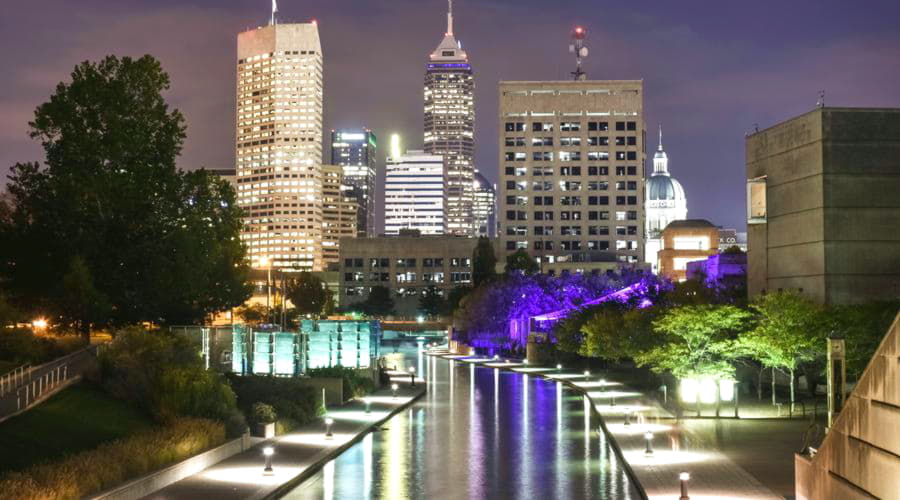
710, 77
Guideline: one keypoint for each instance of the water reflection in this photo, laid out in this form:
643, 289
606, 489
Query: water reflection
512, 436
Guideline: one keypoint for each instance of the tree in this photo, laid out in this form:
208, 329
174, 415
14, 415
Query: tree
522, 262
330, 305
431, 303
379, 302
308, 293
160, 245
82, 303
863, 326
790, 330
484, 262
614, 331
454, 298
253, 314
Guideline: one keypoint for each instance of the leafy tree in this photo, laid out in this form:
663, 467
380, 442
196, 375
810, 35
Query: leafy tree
379, 302
484, 262
82, 303
456, 295
431, 303
732, 250
790, 330
253, 314
330, 305
308, 293
615, 331
699, 341
158, 244
863, 326
522, 262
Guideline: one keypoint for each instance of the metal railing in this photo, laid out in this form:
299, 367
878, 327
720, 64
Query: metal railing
33, 384
14, 378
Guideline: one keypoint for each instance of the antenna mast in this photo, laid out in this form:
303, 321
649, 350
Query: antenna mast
577, 47
272, 19
450, 17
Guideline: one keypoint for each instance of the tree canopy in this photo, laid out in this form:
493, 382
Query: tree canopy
520, 261
108, 214
484, 262
308, 293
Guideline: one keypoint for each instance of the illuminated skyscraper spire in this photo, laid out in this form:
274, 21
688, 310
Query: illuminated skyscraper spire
660, 136
450, 17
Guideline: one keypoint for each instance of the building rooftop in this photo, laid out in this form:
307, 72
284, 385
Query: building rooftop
691, 223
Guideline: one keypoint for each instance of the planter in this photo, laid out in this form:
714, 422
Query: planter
264, 430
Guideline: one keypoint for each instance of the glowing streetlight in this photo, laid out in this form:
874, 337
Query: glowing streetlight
394, 390
368, 403
602, 384
39, 324
525, 361
420, 319
587, 373
496, 357
412, 375
684, 477
648, 451
558, 366
328, 423
268, 451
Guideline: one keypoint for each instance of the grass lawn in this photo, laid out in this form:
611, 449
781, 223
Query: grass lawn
78, 418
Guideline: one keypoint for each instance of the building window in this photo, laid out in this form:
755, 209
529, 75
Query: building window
756, 200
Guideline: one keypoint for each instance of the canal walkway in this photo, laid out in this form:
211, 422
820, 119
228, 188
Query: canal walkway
675, 448
297, 454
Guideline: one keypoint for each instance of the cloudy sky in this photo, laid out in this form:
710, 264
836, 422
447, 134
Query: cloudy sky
711, 69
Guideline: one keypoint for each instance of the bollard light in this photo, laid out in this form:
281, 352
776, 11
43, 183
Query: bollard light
525, 361
506, 361
587, 373
627, 418
368, 403
613, 402
648, 451
559, 367
684, 477
268, 452
496, 357
328, 423
602, 384
394, 390
412, 375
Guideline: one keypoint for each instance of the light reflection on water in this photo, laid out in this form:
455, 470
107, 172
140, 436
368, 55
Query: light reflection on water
479, 433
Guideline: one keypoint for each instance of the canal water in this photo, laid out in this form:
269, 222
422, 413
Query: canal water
479, 433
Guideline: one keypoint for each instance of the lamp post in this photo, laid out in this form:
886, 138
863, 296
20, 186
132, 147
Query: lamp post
558, 366
368, 403
627, 418
265, 261
648, 437
412, 376
684, 477
602, 384
328, 423
267, 452
394, 390
587, 373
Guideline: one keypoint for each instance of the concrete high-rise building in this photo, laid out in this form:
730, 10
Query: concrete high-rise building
356, 152
823, 206
571, 165
279, 145
664, 202
484, 207
339, 209
450, 126
414, 193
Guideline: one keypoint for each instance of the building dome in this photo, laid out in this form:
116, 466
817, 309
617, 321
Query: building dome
662, 187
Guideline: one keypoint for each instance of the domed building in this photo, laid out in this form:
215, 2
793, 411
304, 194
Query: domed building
664, 202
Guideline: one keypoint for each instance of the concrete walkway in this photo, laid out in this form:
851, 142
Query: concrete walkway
297, 454
676, 448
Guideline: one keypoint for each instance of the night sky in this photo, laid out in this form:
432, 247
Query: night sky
711, 69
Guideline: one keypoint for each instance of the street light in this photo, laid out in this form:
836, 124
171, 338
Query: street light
328, 423
267, 263
412, 376
39, 324
394, 390
267, 452
684, 477
648, 451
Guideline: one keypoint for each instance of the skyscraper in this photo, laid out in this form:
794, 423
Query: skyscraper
279, 144
414, 192
450, 126
355, 152
484, 207
339, 209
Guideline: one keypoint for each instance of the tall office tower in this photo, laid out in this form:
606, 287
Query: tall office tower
664, 202
414, 193
279, 145
450, 125
339, 210
571, 162
355, 151
484, 207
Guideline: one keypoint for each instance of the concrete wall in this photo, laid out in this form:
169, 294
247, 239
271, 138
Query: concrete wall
860, 456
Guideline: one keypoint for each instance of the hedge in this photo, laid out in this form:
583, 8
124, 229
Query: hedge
113, 463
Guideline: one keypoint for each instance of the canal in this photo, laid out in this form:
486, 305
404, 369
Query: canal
479, 433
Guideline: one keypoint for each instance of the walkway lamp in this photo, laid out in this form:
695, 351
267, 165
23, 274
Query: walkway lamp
684, 477
394, 390
558, 366
328, 423
267, 452
412, 375
602, 384
648, 437
627, 418
587, 373
525, 361
368, 403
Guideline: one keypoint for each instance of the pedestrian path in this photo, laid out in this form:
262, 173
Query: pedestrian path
629, 415
297, 454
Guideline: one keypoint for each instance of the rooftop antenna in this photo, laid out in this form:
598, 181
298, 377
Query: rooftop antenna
450, 17
660, 137
273, 20
577, 47
820, 103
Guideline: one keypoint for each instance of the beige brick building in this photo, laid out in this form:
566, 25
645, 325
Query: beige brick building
686, 241
339, 210
571, 171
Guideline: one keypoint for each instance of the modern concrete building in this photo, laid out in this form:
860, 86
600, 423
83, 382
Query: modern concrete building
279, 144
407, 265
415, 193
450, 126
664, 201
339, 209
484, 208
571, 170
685, 241
823, 205
356, 152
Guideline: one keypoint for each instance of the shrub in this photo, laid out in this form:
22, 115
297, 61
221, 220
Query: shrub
81, 474
294, 403
22, 346
163, 373
354, 383
235, 424
262, 413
